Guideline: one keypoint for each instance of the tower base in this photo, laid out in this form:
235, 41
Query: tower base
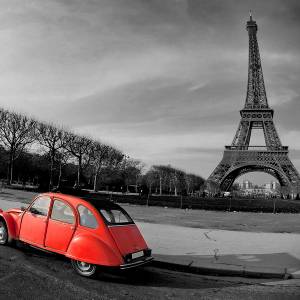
240, 160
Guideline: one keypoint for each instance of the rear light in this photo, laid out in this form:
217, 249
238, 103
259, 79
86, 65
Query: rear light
128, 258
147, 252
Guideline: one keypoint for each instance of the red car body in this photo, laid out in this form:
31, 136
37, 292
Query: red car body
102, 242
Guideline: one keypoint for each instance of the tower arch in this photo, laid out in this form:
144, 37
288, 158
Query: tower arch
237, 171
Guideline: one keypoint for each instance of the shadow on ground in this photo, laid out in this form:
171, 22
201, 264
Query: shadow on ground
54, 265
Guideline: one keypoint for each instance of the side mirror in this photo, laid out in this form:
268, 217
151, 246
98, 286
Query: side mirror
23, 208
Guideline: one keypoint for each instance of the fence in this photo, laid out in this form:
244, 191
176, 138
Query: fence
275, 205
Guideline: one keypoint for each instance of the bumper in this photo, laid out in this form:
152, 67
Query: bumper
135, 264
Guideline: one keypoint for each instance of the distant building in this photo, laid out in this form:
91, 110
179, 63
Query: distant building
246, 184
268, 186
275, 185
247, 188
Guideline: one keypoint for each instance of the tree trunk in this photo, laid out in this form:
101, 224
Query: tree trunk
10, 167
59, 175
79, 171
51, 173
95, 181
160, 186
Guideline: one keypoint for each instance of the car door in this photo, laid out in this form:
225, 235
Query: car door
34, 221
61, 226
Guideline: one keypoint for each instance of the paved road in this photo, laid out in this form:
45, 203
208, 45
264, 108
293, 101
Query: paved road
26, 273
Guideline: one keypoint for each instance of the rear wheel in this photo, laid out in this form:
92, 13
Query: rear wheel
3, 233
83, 268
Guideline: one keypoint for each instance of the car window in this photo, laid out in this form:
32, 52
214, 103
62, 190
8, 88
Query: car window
62, 212
40, 206
115, 216
87, 218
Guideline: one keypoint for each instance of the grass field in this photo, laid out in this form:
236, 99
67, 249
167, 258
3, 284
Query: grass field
241, 221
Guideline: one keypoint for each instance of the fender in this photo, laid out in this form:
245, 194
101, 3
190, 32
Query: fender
10, 223
92, 250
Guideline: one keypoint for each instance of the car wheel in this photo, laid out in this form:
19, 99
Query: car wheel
83, 268
3, 233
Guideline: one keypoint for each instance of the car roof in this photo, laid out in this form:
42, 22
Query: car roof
76, 200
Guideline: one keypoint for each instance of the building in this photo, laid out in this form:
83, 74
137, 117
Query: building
247, 188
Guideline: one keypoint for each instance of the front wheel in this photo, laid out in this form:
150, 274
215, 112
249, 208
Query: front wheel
83, 268
3, 233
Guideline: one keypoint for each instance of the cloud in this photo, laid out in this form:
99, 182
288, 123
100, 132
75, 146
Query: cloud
163, 80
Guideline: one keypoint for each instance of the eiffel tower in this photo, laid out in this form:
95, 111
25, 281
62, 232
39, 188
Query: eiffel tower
240, 158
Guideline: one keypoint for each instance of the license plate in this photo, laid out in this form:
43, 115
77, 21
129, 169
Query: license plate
137, 254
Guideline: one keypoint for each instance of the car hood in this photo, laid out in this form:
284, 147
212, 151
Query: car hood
128, 238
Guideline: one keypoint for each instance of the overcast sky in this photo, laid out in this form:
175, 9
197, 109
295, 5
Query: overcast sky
162, 80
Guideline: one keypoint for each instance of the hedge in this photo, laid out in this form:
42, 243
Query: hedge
223, 204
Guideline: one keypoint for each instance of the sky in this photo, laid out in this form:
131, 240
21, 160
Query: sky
162, 80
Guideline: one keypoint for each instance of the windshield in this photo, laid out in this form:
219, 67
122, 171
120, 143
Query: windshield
112, 213
115, 216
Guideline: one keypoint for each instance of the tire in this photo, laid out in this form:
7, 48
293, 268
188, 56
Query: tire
84, 269
4, 238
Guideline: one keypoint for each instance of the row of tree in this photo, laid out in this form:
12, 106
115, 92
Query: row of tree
43, 152
18, 133
168, 180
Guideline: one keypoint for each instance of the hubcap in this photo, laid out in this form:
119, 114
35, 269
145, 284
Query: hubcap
84, 267
3, 233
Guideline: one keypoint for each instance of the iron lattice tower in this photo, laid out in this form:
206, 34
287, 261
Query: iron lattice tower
240, 158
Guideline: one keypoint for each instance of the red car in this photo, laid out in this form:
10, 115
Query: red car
91, 233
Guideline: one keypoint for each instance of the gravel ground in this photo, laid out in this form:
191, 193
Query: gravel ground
26, 273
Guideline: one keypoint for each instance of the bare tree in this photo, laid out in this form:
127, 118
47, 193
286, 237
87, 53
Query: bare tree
195, 182
188, 178
80, 148
16, 133
175, 180
103, 156
52, 138
285, 191
170, 177
162, 174
131, 170
150, 178
138, 174
62, 156
212, 187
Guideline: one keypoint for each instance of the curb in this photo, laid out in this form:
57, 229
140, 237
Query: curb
218, 271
